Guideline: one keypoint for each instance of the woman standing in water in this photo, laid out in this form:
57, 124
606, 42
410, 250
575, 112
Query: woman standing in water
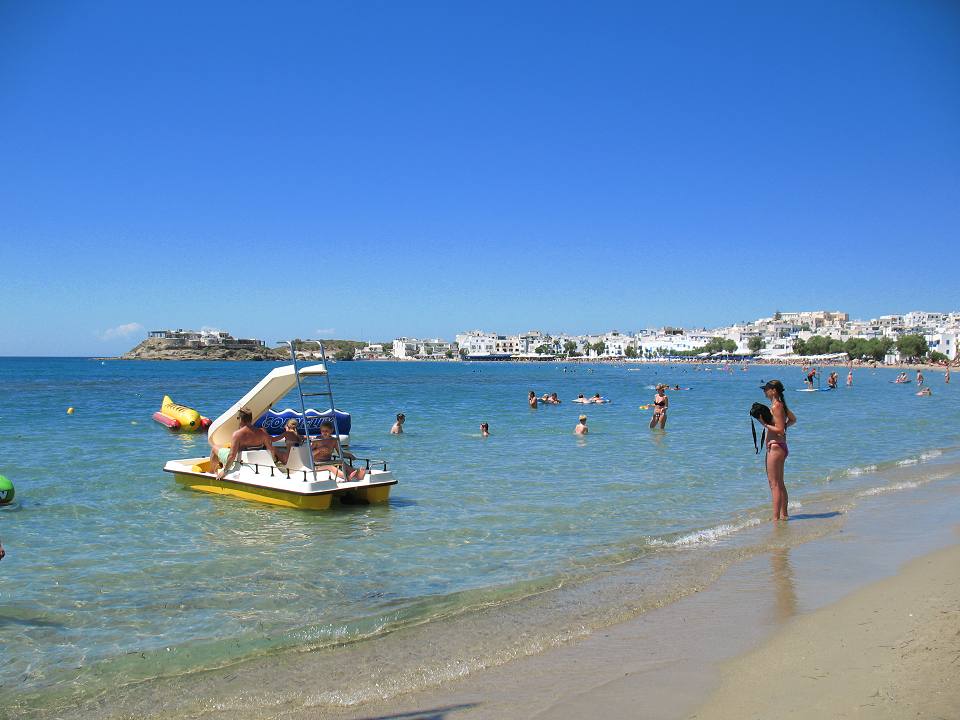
777, 446
660, 404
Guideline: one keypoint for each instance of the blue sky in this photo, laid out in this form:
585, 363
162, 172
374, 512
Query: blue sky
373, 169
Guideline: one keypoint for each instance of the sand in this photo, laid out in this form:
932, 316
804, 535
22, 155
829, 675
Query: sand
890, 650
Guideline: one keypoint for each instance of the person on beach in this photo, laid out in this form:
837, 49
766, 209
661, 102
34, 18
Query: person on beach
397, 428
323, 449
919, 378
246, 437
660, 404
484, 429
532, 400
777, 451
581, 428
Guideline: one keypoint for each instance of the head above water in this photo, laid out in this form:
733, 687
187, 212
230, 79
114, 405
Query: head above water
583, 418
401, 417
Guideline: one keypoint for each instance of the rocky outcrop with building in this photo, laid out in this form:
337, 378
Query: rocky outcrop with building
202, 345
158, 349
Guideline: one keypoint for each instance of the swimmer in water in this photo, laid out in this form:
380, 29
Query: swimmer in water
532, 400
581, 428
484, 429
397, 428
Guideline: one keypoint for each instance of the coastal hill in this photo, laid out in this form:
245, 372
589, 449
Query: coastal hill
158, 349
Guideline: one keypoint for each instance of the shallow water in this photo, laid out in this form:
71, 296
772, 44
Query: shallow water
116, 575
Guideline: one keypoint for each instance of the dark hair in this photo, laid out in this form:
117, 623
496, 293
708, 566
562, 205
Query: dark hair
401, 415
777, 386
245, 416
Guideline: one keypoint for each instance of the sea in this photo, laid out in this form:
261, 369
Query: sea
126, 595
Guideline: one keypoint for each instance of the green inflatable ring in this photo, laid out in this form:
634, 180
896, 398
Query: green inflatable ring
6, 491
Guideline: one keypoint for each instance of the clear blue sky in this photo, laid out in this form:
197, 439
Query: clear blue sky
373, 169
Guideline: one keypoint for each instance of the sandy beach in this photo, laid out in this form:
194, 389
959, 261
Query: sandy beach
890, 650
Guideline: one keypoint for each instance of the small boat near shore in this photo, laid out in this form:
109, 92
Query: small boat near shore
298, 483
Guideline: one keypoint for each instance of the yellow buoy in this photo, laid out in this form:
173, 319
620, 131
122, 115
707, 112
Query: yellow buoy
69, 411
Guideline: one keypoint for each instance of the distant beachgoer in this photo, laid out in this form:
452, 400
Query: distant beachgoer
581, 428
554, 400
397, 428
811, 376
581, 399
485, 429
946, 376
919, 378
597, 399
532, 400
924, 392
660, 404
850, 378
246, 437
323, 449
2, 552
777, 450
832, 380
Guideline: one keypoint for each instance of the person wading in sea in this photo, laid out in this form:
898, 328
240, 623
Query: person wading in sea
777, 450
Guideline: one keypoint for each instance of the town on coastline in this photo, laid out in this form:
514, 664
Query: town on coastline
783, 337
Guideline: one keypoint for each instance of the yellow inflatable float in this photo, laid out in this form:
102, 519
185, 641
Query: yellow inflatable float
180, 417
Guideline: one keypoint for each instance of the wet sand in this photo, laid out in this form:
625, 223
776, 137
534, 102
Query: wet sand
890, 650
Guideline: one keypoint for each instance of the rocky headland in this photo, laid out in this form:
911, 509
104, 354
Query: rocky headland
159, 349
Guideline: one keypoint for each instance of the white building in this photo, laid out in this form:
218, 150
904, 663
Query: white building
477, 342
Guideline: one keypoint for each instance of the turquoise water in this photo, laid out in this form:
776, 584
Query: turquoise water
115, 574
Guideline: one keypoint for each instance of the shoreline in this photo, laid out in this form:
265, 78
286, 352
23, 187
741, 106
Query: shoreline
671, 660
668, 646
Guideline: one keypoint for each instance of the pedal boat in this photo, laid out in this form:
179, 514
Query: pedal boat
255, 476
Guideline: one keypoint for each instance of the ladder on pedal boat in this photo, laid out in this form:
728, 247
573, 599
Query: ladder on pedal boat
328, 393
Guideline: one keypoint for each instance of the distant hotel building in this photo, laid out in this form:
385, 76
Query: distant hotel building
193, 339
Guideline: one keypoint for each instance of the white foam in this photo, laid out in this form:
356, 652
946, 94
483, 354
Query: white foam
709, 535
888, 488
854, 471
930, 455
908, 461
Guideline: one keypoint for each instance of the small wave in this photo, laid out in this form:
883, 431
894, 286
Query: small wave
888, 488
709, 535
794, 505
922, 457
855, 471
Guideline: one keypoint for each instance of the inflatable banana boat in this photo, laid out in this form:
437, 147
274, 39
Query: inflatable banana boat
180, 417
